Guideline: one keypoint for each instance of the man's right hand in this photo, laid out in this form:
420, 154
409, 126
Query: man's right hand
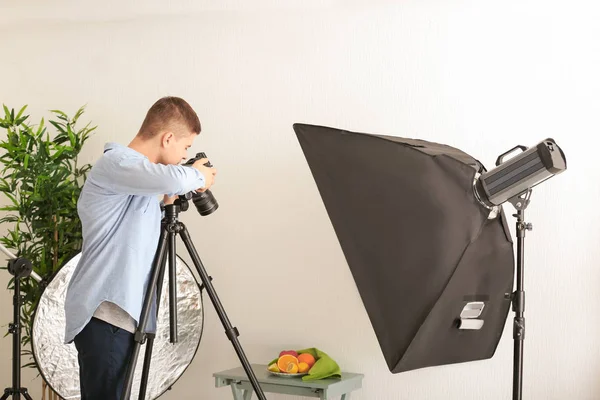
208, 172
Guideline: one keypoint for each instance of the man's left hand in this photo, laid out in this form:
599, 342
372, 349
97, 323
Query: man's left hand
169, 200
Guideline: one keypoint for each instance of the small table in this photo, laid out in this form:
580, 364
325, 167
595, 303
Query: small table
321, 388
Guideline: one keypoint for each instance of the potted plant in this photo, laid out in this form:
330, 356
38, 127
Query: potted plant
41, 181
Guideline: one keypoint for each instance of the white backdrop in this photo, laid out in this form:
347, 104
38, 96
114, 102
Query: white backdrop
482, 76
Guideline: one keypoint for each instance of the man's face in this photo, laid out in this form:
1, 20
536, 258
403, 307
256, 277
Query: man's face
175, 146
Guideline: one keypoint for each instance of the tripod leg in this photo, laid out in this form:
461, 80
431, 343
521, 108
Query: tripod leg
150, 341
5, 395
172, 287
26, 395
140, 334
146, 367
231, 332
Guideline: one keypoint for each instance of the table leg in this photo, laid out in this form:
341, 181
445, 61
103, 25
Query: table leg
237, 393
241, 394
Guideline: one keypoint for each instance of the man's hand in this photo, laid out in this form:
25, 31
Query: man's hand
169, 200
208, 172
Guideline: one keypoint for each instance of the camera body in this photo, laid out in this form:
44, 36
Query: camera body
205, 202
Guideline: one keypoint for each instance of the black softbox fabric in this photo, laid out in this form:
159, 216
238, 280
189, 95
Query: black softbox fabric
418, 243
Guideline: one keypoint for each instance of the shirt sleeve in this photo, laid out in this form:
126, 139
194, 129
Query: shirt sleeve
139, 176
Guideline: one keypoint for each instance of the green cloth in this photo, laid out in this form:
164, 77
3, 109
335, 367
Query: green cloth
324, 367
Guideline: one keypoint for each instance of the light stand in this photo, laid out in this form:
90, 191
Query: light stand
518, 296
512, 181
170, 227
20, 268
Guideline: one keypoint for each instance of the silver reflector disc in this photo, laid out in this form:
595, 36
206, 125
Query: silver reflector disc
58, 362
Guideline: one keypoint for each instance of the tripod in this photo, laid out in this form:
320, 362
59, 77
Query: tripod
170, 227
20, 268
520, 202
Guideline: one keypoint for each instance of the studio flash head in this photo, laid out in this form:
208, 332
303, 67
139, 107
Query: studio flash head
520, 173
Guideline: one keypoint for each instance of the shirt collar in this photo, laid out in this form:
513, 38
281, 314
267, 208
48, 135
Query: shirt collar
119, 147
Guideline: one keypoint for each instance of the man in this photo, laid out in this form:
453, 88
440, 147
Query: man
120, 215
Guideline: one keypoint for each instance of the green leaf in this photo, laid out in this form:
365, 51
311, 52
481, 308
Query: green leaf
87, 132
60, 115
19, 121
5, 184
9, 218
59, 126
26, 161
7, 112
78, 114
21, 111
12, 198
58, 153
41, 129
71, 135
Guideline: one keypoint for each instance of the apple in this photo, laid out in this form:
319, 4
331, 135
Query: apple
290, 352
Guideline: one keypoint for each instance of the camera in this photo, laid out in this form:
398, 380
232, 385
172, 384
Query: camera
205, 202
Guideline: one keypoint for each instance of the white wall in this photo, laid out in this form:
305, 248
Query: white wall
482, 76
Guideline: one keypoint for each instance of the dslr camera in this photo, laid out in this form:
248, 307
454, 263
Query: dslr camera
205, 202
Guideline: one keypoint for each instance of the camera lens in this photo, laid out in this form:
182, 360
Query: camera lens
205, 202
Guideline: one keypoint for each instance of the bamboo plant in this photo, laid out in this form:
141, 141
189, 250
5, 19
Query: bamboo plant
41, 181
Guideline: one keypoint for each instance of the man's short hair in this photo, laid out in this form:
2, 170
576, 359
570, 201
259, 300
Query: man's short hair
169, 113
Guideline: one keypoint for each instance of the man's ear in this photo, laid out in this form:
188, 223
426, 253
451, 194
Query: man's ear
167, 138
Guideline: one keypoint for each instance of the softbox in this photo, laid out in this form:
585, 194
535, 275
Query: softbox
434, 268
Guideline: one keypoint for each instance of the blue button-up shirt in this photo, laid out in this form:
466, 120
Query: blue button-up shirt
120, 217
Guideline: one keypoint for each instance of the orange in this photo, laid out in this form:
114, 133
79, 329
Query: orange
303, 367
307, 358
285, 361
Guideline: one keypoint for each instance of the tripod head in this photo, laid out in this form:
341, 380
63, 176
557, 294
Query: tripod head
20, 267
182, 202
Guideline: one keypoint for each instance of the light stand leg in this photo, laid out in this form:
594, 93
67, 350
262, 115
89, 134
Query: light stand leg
518, 297
16, 332
231, 332
519, 321
20, 268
